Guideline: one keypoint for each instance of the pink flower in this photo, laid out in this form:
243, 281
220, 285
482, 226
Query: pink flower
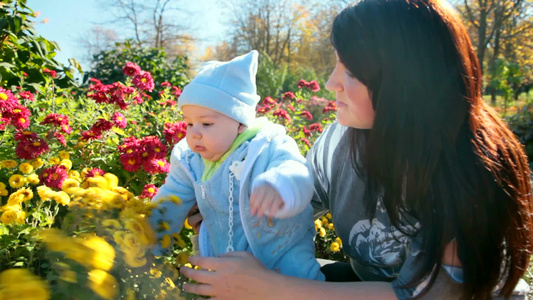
168, 103
306, 141
165, 84
18, 117
131, 69
130, 163
53, 176
119, 120
302, 83
268, 100
90, 135
264, 109
144, 81
101, 125
149, 191
332, 106
306, 131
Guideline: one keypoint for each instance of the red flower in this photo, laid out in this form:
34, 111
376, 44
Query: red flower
176, 91
119, 120
165, 84
7, 100
144, 81
101, 125
315, 127
51, 72
332, 106
55, 119
168, 103
152, 147
157, 166
130, 163
131, 69
149, 191
288, 96
306, 141
26, 135
307, 115
53, 176
306, 131
31, 148
18, 117
268, 100
26, 95
94, 172
282, 114
302, 83
313, 86
174, 132
90, 135
264, 109
60, 138
290, 107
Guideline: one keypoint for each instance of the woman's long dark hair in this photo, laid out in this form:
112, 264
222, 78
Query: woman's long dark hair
436, 150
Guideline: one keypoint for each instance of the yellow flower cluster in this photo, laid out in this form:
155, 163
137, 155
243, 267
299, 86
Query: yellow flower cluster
134, 235
12, 212
47, 194
322, 225
89, 250
21, 284
98, 192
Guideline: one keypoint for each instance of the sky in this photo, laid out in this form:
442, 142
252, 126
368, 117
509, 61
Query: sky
66, 21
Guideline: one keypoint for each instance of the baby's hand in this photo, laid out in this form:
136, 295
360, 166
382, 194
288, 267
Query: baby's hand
265, 200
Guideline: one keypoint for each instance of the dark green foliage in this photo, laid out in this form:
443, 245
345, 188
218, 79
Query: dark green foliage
107, 65
23, 54
521, 124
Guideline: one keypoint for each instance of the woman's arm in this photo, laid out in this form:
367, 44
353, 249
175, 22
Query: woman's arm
239, 275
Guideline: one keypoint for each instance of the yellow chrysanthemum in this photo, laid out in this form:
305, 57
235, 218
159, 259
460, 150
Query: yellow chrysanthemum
21, 195
338, 240
330, 226
127, 195
2, 186
44, 192
3, 192
61, 198
15, 207
137, 205
67, 163
22, 284
328, 215
74, 174
33, 179
54, 160
37, 163
64, 154
112, 181
324, 221
103, 254
70, 183
318, 224
16, 181
8, 164
111, 223
11, 216
335, 247
25, 168
84, 172
103, 283
134, 261
322, 232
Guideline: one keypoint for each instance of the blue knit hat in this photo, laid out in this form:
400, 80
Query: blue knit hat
226, 87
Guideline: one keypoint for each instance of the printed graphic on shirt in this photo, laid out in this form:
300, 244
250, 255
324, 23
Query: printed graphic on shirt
379, 246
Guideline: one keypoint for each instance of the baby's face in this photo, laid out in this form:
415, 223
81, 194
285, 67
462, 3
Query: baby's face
209, 133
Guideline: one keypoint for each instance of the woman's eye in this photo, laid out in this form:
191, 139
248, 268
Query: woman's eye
207, 124
189, 125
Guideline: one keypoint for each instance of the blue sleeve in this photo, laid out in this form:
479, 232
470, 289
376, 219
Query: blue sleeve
175, 198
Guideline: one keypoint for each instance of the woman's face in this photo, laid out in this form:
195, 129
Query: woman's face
354, 106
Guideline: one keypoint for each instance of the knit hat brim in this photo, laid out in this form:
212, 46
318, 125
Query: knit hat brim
203, 95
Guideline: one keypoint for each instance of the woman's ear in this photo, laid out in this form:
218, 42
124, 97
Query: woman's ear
241, 128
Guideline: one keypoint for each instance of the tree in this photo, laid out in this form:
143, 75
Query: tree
153, 24
24, 54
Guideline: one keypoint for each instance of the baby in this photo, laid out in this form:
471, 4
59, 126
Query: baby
250, 181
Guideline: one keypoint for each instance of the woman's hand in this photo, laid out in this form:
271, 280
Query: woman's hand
235, 275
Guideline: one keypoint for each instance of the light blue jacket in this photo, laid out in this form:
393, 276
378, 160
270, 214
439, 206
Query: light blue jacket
284, 243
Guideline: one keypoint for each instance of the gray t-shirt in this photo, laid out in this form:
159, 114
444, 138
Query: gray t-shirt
377, 250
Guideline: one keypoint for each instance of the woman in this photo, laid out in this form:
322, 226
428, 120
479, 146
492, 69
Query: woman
437, 201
